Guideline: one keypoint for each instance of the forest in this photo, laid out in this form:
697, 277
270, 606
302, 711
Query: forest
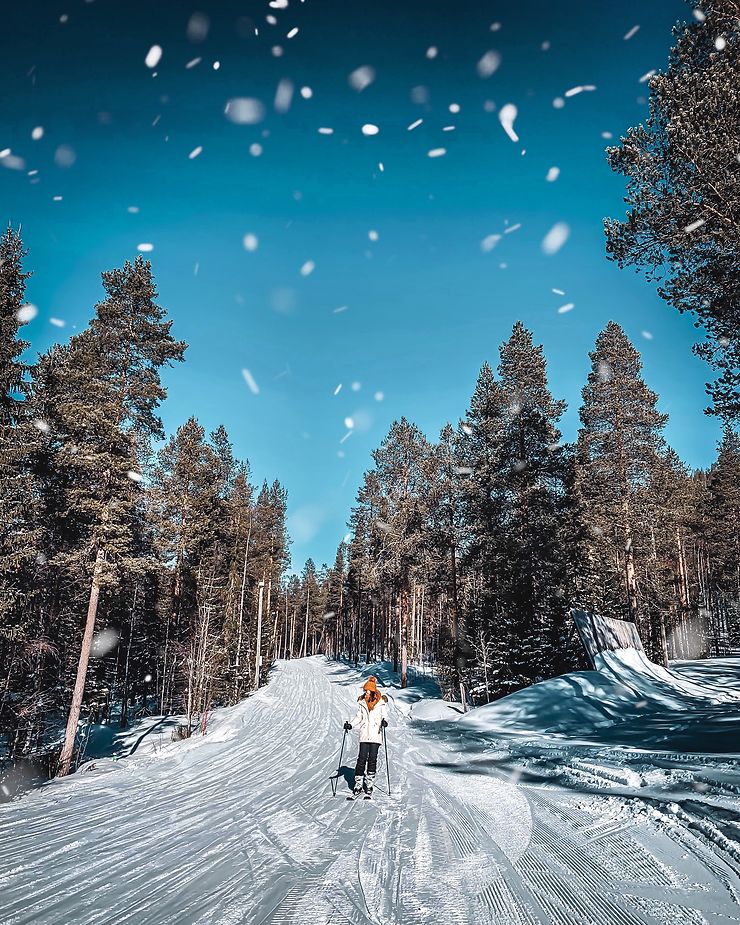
144, 573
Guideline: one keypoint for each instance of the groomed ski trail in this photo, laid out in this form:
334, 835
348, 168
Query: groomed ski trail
241, 827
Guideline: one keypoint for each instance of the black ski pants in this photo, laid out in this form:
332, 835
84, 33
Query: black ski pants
368, 756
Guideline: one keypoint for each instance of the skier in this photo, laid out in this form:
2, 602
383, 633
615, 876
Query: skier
371, 719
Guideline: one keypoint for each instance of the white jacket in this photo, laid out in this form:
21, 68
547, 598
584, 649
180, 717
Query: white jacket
368, 721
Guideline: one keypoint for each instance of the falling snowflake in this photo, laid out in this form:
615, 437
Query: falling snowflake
145, 248
57, 322
414, 125
26, 313
379, 396
647, 335
198, 26
645, 77
42, 426
370, 129
244, 110
249, 379
632, 31
326, 131
555, 238
349, 423
65, 156
552, 174
338, 389
195, 152
104, 642
574, 91
507, 115
134, 476
153, 56
308, 267
488, 64
250, 242
694, 225
566, 308
194, 62
489, 242
437, 152
361, 78
558, 292
373, 235
37, 133
306, 93
255, 149
432, 52
283, 95
293, 33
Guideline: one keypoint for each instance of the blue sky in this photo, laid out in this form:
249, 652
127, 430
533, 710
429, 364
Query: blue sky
424, 305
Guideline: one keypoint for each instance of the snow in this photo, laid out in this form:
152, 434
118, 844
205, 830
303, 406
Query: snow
555, 238
507, 115
486, 822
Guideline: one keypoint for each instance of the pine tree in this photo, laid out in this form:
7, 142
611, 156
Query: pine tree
102, 421
722, 544
17, 438
683, 192
618, 449
185, 514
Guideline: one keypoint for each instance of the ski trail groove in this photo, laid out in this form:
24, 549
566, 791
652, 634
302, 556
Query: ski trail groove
240, 828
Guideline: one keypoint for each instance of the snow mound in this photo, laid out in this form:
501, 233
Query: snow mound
570, 704
628, 701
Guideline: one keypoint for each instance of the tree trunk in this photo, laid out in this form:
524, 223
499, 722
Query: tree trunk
403, 627
304, 645
65, 759
259, 637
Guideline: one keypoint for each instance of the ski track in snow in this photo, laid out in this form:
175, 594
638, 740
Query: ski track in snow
241, 827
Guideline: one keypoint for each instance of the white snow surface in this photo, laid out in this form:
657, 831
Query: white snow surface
481, 826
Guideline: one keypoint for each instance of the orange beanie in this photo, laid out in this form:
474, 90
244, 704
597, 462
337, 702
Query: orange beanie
370, 687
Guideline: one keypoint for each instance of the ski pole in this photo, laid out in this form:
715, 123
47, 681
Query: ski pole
387, 769
339, 769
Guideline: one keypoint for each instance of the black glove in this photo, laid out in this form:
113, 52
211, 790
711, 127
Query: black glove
383, 723
348, 726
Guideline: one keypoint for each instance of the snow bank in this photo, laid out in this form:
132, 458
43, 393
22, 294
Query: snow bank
629, 701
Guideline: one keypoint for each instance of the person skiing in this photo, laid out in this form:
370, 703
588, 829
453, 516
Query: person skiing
371, 719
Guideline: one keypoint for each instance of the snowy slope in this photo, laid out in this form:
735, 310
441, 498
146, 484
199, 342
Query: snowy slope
241, 827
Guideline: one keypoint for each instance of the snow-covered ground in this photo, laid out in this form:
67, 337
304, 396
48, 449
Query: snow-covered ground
499, 816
